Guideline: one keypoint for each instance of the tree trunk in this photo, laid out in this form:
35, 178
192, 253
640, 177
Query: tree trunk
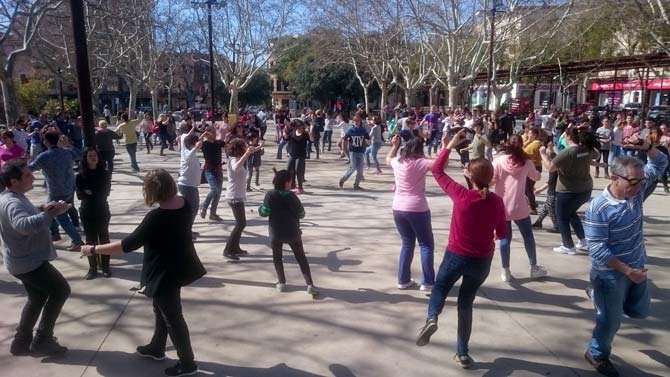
9, 100
384, 89
366, 99
454, 95
408, 96
132, 100
233, 106
154, 101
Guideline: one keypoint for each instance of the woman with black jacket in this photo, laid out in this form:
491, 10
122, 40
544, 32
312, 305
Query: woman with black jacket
169, 263
93, 183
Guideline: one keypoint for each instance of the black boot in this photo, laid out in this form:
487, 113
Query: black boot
21, 345
92, 268
104, 265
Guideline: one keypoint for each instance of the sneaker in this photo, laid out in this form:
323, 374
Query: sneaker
107, 274
180, 369
358, 188
56, 238
150, 352
667, 190
281, 287
249, 189
602, 366
20, 346
426, 332
215, 217
341, 183
298, 191
537, 272
565, 250
407, 285
536, 225
75, 248
47, 346
465, 361
230, 256
91, 274
506, 276
582, 245
203, 213
426, 287
312, 290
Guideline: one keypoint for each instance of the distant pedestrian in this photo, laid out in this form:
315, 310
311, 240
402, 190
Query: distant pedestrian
127, 129
357, 139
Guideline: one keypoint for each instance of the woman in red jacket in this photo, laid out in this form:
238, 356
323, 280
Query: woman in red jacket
477, 216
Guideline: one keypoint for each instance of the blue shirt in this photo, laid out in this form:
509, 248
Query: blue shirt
56, 165
613, 227
36, 138
356, 137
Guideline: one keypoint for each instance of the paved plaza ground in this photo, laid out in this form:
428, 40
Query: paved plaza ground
361, 325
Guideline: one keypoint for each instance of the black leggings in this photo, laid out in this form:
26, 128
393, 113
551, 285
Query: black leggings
233, 244
170, 321
299, 252
604, 157
296, 166
96, 230
47, 291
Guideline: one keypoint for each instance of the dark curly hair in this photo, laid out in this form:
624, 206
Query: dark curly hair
280, 178
514, 148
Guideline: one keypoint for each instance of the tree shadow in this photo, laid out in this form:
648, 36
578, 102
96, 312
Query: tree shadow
11, 288
505, 366
331, 261
340, 370
122, 364
367, 295
658, 356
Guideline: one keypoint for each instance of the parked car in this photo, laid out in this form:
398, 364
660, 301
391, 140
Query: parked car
600, 110
632, 106
659, 113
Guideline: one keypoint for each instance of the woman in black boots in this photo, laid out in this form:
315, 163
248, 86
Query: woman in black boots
93, 183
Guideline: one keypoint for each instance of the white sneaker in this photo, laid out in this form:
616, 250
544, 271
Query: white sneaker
537, 272
582, 245
407, 285
506, 276
565, 250
426, 287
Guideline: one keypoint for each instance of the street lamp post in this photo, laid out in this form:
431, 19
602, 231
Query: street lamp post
495, 9
209, 4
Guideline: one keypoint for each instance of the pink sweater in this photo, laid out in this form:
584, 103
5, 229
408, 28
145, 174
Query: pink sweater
510, 181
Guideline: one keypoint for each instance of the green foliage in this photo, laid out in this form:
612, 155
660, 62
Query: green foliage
258, 91
32, 95
52, 106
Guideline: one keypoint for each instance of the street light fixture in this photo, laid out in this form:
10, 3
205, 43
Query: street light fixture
497, 5
209, 4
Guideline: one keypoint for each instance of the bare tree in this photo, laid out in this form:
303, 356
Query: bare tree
244, 31
19, 22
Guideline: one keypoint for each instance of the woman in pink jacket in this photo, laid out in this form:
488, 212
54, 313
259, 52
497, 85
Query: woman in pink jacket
510, 172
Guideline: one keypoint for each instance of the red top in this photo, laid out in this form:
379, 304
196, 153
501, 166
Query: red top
473, 220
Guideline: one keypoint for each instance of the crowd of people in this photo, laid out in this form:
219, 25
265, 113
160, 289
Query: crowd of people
501, 162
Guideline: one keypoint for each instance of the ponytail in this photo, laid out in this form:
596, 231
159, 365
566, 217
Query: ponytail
484, 192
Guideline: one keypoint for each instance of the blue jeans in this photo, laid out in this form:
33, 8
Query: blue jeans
614, 294
279, 148
615, 151
355, 164
474, 272
215, 182
412, 226
567, 204
373, 149
65, 221
526, 231
132, 152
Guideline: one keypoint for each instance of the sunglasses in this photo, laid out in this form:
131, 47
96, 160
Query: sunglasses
632, 181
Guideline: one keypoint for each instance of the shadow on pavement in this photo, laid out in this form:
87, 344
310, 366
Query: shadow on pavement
505, 366
122, 364
658, 357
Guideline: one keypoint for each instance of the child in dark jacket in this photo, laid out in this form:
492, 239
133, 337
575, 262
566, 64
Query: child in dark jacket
285, 211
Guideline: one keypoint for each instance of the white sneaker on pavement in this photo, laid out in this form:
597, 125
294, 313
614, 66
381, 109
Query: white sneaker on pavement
565, 250
537, 272
506, 276
582, 245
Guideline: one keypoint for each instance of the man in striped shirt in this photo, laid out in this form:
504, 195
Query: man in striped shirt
613, 230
